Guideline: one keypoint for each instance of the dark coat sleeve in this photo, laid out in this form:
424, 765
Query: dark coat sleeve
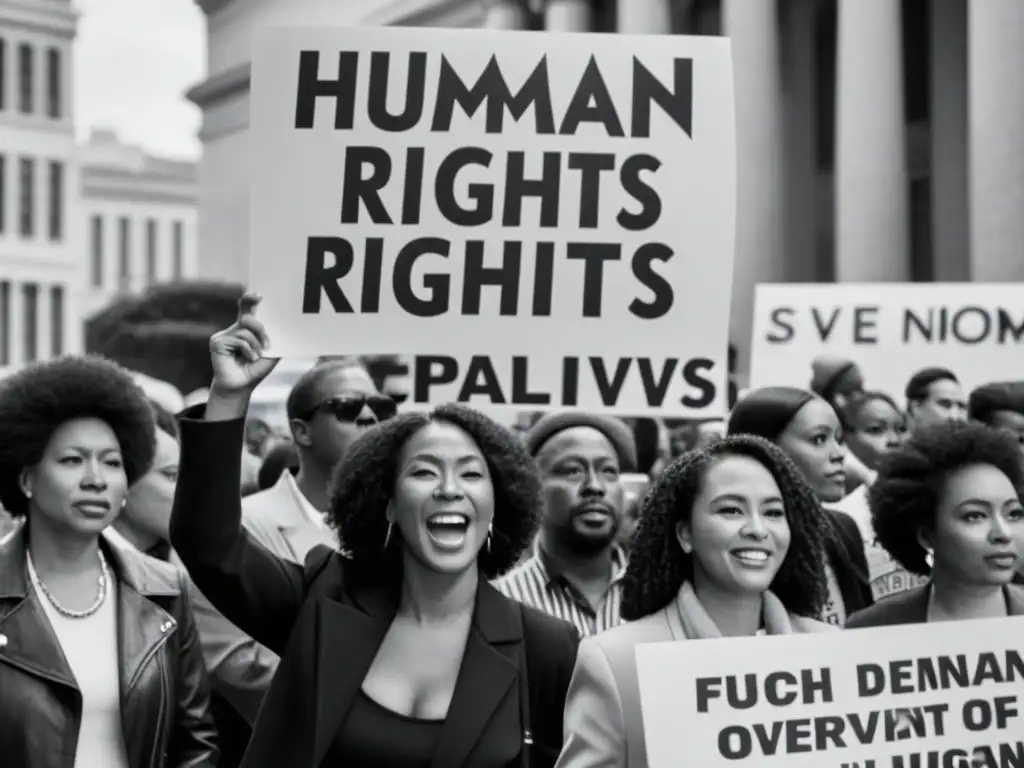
854, 581
193, 739
551, 647
256, 590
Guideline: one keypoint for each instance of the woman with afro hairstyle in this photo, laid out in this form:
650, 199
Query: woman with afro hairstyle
730, 543
100, 662
396, 651
947, 505
808, 431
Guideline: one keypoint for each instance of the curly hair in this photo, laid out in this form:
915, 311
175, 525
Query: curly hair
37, 400
909, 487
364, 479
657, 564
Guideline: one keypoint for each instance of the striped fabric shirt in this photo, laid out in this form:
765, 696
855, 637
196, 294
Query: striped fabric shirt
538, 584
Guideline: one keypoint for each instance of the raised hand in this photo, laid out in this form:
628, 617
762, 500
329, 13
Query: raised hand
237, 352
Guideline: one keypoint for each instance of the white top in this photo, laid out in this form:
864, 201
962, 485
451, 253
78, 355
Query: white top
90, 647
315, 515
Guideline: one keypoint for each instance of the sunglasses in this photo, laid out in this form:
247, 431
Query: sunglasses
349, 407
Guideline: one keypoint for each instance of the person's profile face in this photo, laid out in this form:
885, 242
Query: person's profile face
877, 428
814, 440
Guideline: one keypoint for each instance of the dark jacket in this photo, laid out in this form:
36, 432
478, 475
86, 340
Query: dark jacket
164, 695
850, 564
911, 607
327, 630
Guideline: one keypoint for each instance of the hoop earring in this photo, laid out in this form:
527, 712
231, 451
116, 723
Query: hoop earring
387, 536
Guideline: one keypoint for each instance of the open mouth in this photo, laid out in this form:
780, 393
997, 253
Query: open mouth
448, 530
752, 557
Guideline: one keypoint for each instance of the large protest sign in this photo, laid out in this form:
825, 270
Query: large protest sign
891, 330
893, 697
479, 195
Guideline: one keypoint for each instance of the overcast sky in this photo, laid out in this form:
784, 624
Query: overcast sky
134, 60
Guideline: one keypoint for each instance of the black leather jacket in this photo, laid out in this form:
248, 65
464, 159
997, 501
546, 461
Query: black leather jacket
165, 699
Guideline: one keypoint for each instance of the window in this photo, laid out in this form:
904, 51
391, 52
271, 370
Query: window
30, 303
56, 200
3, 74
124, 271
53, 84
97, 251
57, 320
5, 322
177, 245
25, 100
3, 191
27, 193
151, 250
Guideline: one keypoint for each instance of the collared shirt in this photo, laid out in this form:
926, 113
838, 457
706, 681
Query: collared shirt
315, 515
538, 584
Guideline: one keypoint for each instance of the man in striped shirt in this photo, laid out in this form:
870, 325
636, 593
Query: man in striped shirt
576, 570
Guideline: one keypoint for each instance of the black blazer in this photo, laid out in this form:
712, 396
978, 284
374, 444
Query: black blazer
850, 564
327, 629
911, 607
164, 695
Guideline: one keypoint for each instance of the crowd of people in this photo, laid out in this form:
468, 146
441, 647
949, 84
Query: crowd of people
415, 589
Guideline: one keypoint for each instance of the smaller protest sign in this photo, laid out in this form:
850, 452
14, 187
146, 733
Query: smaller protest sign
892, 697
891, 330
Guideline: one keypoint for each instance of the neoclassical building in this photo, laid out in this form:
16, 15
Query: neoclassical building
878, 140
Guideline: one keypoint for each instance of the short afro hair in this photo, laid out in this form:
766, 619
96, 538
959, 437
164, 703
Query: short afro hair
997, 396
658, 566
37, 400
910, 483
364, 480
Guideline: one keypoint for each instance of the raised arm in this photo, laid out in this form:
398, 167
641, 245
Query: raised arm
257, 591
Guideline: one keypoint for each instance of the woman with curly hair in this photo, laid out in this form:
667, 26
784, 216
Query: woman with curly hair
100, 661
730, 543
397, 651
947, 505
808, 431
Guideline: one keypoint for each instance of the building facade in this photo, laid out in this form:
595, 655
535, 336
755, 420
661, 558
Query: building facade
138, 216
39, 243
877, 140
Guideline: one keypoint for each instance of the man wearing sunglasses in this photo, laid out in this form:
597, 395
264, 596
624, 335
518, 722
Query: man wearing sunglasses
329, 407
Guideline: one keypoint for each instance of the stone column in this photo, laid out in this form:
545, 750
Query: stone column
505, 14
568, 16
644, 17
996, 66
951, 234
872, 215
760, 155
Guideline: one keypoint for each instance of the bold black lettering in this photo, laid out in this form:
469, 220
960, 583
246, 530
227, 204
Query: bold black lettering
373, 267
591, 103
590, 165
320, 278
695, 375
492, 88
735, 743
1009, 327
521, 394
677, 103
594, 255
481, 380
482, 195
570, 380
865, 325
778, 689
962, 317
658, 285
780, 317
609, 390
655, 391
311, 87
506, 277
424, 377
925, 327
870, 680
543, 279
412, 192
438, 285
355, 188
824, 327
546, 188
377, 106
641, 191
